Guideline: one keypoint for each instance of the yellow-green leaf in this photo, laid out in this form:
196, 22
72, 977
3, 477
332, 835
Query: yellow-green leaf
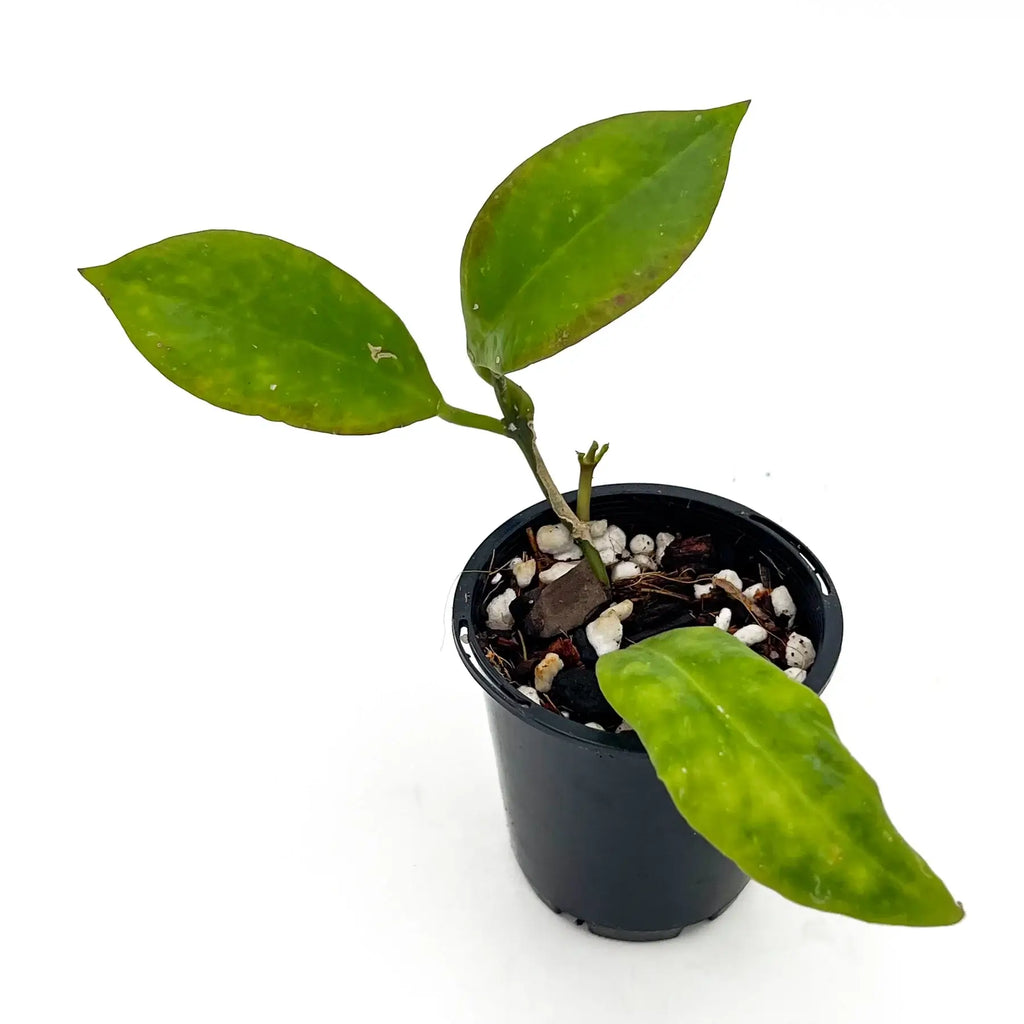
259, 326
752, 760
587, 228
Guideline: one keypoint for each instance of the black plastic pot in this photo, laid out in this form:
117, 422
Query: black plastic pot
593, 829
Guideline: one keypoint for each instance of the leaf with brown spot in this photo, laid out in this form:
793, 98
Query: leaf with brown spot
587, 228
259, 326
752, 760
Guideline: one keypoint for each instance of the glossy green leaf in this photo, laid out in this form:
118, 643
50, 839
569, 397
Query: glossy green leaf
258, 326
588, 228
752, 760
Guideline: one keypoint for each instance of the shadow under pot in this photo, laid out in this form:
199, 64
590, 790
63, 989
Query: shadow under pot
593, 829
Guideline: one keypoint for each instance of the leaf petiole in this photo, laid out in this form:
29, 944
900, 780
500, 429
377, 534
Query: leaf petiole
464, 418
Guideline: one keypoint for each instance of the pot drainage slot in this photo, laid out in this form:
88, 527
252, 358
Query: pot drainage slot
817, 575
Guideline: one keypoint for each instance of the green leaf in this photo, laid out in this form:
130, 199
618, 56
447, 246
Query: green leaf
752, 760
588, 228
258, 326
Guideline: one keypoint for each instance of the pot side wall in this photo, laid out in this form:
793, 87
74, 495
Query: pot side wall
593, 829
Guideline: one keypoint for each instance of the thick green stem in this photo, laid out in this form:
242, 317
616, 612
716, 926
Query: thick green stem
590, 553
577, 524
587, 463
464, 418
517, 406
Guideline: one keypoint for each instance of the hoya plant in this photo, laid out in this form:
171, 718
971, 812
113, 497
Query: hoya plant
578, 234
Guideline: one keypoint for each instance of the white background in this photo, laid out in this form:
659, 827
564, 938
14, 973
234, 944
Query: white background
242, 775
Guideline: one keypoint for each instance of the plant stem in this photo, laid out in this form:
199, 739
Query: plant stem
580, 530
587, 464
577, 524
597, 566
517, 407
464, 418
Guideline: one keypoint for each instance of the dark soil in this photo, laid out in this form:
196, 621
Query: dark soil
663, 599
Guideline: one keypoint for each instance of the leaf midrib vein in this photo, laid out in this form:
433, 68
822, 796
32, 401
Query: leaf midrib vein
601, 214
351, 360
813, 807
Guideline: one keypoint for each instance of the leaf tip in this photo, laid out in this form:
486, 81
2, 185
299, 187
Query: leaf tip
91, 274
740, 109
953, 914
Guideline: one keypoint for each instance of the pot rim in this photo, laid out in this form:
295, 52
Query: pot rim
501, 690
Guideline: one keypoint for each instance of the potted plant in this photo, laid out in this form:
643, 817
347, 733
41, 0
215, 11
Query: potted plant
624, 635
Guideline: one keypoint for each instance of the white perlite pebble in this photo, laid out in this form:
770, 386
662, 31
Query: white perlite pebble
624, 727
547, 668
496, 578
753, 590
645, 562
598, 528
752, 634
498, 615
594, 725
799, 651
723, 619
702, 589
783, 604
617, 539
523, 571
730, 577
572, 553
603, 546
661, 542
556, 571
796, 673
529, 691
605, 633
641, 544
622, 610
624, 571
554, 538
